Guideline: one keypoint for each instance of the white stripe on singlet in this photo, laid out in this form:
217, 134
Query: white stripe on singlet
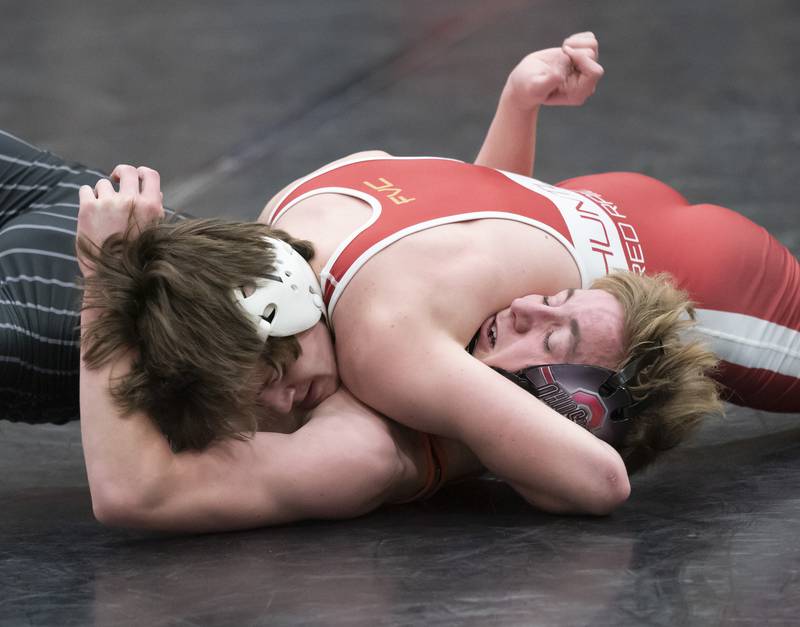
37, 337
54, 215
52, 310
750, 342
44, 166
30, 366
24, 188
34, 251
74, 205
36, 227
39, 279
21, 141
49, 205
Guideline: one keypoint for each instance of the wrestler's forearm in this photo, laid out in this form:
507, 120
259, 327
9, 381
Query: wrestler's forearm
510, 142
343, 463
552, 462
125, 456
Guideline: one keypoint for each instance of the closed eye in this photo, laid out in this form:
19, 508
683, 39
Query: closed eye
570, 292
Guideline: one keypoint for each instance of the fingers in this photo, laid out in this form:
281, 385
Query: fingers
150, 200
584, 41
128, 178
86, 195
151, 184
583, 80
584, 62
104, 189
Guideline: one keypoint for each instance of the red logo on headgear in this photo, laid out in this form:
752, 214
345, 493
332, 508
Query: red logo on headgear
593, 405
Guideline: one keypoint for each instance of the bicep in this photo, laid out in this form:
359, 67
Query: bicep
442, 389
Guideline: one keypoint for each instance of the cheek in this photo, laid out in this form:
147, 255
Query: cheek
604, 352
518, 355
329, 358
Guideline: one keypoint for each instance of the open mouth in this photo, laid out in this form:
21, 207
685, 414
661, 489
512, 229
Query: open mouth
488, 333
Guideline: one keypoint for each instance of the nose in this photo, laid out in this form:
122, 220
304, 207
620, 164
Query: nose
279, 398
528, 311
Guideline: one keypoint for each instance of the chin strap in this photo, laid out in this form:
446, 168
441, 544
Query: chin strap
615, 388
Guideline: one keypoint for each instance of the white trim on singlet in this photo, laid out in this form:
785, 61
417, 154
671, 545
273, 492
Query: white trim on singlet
325, 276
461, 217
599, 248
749, 341
330, 168
536, 186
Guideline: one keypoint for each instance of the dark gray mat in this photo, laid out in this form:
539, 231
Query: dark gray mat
232, 100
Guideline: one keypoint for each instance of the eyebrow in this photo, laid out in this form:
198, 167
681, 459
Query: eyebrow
575, 330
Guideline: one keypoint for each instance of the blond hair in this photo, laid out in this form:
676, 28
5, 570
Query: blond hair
166, 299
677, 384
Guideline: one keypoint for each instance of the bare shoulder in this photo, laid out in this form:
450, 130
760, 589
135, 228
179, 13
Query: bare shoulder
364, 154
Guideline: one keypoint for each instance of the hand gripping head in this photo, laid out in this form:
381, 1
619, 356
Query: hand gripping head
289, 300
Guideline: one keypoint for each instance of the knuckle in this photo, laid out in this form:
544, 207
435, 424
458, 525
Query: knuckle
123, 201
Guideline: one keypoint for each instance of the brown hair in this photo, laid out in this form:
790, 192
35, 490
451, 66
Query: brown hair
677, 384
166, 299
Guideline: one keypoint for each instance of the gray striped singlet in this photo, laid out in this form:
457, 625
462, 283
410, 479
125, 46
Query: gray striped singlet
39, 283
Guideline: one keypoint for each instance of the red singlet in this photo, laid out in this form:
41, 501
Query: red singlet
745, 284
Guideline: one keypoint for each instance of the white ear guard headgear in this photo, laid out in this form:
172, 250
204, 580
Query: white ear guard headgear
286, 302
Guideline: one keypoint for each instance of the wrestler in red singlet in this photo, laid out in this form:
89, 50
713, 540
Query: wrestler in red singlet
745, 284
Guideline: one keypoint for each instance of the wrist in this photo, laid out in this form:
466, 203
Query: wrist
513, 101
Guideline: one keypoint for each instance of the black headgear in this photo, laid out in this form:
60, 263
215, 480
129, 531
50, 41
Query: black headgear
595, 398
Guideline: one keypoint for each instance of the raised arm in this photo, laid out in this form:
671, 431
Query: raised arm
556, 76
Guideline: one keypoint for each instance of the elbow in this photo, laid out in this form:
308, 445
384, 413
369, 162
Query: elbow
120, 506
599, 491
611, 490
